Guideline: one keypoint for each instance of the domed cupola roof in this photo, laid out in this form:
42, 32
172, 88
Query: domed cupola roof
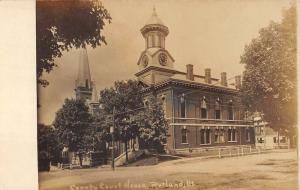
154, 24
154, 19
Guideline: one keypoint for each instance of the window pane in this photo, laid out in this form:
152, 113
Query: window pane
216, 138
222, 137
202, 136
203, 113
184, 136
230, 112
153, 41
207, 136
182, 110
149, 42
229, 134
216, 135
218, 114
233, 133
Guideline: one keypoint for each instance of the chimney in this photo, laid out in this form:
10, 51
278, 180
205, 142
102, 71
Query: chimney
207, 76
238, 82
189, 72
223, 79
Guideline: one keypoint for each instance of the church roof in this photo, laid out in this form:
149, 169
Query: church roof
154, 19
84, 70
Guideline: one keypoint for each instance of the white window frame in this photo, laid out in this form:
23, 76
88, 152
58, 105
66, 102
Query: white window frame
231, 136
205, 140
201, 103
185, 112
186, 135
231, 105
248, 136
219, 131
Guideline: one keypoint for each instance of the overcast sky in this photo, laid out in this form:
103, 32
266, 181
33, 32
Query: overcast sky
208, 34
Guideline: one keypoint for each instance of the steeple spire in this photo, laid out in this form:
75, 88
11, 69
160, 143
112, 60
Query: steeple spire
84, 75
154, 11
83, 84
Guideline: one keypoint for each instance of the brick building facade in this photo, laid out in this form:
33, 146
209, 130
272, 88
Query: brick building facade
202, 111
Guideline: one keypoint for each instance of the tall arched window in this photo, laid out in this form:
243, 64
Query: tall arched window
247, 134
203, 108
149, 41
182, 106
156, 39
205, 136
230, 111
218, 109
153, 40
159, 40
219, 135
184, 136
232, 135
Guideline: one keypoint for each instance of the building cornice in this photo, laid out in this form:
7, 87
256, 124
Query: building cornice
192, 84
172, 71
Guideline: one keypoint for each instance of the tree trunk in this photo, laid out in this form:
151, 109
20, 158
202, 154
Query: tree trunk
80, 159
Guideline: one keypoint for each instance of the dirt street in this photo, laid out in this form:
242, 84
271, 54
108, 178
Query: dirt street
269, 171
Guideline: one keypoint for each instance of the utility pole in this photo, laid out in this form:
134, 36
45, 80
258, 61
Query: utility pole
113, 141
278, 136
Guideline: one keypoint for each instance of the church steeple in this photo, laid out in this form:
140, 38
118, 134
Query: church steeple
94, 102
83, 86
94, 98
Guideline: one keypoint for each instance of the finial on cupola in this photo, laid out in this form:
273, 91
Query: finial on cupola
154, 11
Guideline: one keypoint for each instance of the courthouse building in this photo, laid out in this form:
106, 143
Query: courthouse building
202, 110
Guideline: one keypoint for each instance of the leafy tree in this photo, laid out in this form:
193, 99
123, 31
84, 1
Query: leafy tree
269, 82
48, 147
75, 127
64, 24
124, 97
154, 127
